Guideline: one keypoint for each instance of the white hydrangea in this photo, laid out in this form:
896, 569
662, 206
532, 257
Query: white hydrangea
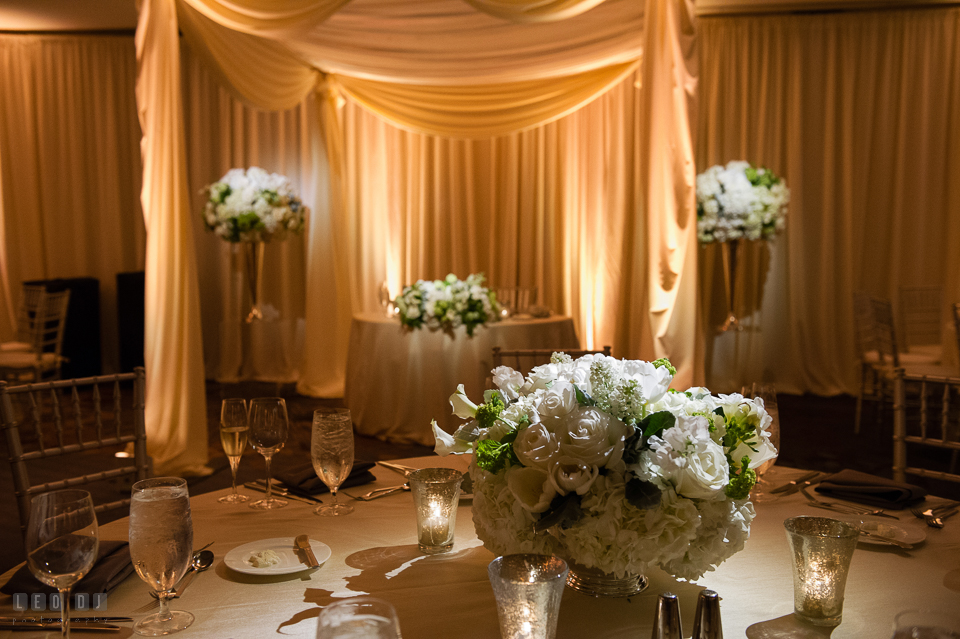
447, 304
253, 206
737, 200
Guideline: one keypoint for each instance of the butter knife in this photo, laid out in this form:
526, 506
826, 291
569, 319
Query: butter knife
53, 625
791, 486
303, 543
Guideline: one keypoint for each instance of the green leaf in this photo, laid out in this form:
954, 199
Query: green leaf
582, 398
642, 494
656, 423
564, 510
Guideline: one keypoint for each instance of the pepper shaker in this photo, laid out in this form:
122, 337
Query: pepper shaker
666, 622
706, 624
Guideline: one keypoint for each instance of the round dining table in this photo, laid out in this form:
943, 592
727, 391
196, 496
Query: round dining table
399, 379
374, 552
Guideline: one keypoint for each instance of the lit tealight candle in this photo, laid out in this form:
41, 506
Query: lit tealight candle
436, 494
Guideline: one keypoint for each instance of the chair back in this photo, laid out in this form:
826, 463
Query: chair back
921, 315
50, 428
956, 325
885, 332
926, 414
43, 359
31, 301
864, 324
524, 360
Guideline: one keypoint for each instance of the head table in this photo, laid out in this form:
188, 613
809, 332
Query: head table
444, 596
398, 379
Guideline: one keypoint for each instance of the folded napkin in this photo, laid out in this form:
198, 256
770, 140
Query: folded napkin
867, 489
113, 566
303, 479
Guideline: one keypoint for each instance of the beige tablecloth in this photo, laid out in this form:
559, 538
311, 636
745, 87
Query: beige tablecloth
447, 596
399, 379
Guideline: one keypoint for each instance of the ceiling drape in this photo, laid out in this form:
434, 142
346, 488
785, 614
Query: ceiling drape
533, 10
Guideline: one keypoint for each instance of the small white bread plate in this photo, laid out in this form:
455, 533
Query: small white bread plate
238, 558
906, 535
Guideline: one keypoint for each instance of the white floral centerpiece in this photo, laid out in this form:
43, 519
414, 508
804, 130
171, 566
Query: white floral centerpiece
596, 461
253, 206
738, 201
448, 303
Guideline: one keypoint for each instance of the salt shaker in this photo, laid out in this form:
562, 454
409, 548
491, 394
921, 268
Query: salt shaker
706, 624
666, 622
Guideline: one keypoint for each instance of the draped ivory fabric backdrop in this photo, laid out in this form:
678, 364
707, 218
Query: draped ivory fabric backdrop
861, 141
860, 112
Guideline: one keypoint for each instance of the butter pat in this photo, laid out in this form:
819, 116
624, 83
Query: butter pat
264, 559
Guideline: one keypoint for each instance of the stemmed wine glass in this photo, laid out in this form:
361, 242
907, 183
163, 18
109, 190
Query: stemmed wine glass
62, 543
768, 393
331, 451
161, 547
268, 433
234, 430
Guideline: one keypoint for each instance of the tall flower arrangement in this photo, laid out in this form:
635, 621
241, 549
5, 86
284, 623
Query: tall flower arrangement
253, 206
737, 201
597, 461
448, 303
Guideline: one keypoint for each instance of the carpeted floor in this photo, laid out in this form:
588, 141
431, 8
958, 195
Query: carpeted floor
817, 433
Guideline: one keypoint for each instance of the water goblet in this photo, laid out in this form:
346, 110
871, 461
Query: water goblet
234, 430
268, 433
331, 451
767, 393
161, 547
62, 543
366, 617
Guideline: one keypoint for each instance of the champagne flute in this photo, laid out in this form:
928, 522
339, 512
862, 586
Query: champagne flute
331, 451
62, 543
161, 547
268, 433
768, 393
234, 429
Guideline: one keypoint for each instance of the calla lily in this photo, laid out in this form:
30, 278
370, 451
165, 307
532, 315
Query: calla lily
462, 406
447, 443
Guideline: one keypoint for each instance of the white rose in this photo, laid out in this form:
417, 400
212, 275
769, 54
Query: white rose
541, 377
592, 437
535, 446
706, 472
531, 487
569, 475
508, 381
559, 400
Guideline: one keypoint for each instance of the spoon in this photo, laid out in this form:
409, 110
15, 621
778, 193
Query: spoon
201, 561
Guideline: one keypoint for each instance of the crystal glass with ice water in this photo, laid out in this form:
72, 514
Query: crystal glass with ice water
926, 624
331, 451
62, 542
358, 618
161, 547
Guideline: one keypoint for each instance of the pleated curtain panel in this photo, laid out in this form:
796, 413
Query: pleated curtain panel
460, 85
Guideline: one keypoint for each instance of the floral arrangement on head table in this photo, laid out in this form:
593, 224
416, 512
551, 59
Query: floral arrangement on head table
253, 206
448, 303
598, 461
738, 200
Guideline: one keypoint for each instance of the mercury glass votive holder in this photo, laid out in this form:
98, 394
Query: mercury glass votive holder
436, 495
528, 589
822, 549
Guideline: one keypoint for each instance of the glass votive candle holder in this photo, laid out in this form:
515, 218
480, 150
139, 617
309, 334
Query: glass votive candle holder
358, 617
528, 589
436, 496
822, 549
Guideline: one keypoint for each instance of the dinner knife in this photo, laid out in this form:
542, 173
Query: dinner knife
793, 486
303, 543
288, 491
280, 493
53, 625
398, 468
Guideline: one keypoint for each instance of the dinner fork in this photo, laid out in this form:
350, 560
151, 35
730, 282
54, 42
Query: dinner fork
382, 492
852, 509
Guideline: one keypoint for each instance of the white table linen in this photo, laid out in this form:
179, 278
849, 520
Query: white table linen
444, 596
399, 379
